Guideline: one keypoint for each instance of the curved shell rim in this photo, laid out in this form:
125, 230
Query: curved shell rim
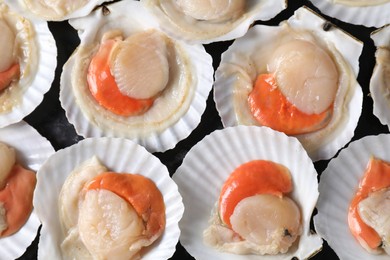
271, 10
223, 87
237, 146
337, 186
43, 79
20, 7
380, 106
157, 142
376, 16
32, 153
136, 159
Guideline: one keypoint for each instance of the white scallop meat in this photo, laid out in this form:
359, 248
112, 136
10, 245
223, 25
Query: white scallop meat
221, 153
338, 185
179, 104
329, 76
50, 10
211, 20
30, 44
31, 153
118, 155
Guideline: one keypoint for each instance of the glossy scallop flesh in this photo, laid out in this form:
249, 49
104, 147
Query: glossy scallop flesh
178, 105
31, 153
221, 153
338, 185
35, 51
133, 159
209, 21
49, 10
337, 57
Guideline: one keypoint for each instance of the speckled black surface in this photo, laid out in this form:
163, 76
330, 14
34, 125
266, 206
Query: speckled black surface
50, 120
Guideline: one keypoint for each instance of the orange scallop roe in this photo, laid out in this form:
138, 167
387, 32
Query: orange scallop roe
7, 76
140, 192
376, 177
271, 108
104, 89
249, 179
17, 197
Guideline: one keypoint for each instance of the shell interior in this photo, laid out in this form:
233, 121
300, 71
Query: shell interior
54, 10
220, 153
376, 15
247, 57
134, 159
337, 187
181, 26
155, 129
38, 63
380, 79
31, 153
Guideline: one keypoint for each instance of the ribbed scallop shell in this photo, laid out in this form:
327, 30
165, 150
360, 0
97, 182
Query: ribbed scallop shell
118, 155
338, 185
379, 85
197, 31
31, 151
38, 82
237, 65
21, 7
377, 15
94, 121
210, 162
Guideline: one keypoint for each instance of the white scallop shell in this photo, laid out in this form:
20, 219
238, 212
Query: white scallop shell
376, 16
378, 88
118, 155
338, 185
20, 7
260, 38
131, 17
40, 81
194, 33
31, 151
210, 162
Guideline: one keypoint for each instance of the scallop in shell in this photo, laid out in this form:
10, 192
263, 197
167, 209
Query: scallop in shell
31, 153
338, 185
171, 100
221, 153
118, 155
209, 20
380, 79
363, 12
54, 10
27, 66
266, 50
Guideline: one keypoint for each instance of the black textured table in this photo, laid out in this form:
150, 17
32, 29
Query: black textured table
50, 121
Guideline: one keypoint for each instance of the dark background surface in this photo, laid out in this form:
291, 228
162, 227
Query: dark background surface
50, 121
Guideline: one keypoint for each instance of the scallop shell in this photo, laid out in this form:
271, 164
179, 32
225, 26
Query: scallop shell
118, 155
338, 185
236, 66
196, 31
380, 81
31, 151
93, 121
376, 15
209, 163
36, 83
21, 7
